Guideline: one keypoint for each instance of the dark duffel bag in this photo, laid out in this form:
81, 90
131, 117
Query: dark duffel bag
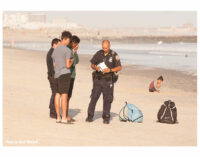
167, 113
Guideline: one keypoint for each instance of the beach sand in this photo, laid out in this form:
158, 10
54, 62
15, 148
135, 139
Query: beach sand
26, 94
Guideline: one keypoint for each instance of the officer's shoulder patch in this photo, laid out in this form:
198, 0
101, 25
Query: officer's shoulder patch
117, 57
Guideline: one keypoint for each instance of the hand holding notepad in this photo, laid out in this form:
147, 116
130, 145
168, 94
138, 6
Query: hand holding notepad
102, 66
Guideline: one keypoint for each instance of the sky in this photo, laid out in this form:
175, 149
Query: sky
105, 19
121, 19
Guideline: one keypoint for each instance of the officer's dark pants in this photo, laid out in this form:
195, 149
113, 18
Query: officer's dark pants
51, 104
105, 87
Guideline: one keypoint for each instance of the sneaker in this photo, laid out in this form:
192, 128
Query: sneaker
89, 119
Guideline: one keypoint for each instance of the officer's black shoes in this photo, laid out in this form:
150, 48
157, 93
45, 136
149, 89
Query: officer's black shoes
89, 119
106, 121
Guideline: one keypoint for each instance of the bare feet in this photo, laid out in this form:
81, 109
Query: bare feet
64, 120
68, 118
58, 120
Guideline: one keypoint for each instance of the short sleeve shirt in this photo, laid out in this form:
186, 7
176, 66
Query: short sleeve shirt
153, 85
76, 61
60, 55
111, 60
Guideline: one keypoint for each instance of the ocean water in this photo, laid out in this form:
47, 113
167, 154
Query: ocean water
178, 56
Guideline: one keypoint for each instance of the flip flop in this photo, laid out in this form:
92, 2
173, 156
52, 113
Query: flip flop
58, 121
72, 120
67, 122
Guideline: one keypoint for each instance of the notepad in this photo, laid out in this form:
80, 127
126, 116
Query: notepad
102, 66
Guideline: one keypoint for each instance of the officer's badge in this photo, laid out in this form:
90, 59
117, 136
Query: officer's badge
117, 57
110, 59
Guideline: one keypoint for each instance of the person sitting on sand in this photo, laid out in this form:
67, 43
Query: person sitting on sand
155, 85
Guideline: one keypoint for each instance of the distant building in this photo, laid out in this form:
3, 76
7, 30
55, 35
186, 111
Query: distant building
22, 20
36, 18
63, 23
187, 25
14, 20
60, 21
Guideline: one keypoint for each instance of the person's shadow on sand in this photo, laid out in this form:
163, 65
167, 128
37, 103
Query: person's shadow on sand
74, 112
98, 114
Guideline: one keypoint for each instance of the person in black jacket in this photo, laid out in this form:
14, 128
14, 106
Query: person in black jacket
55, 42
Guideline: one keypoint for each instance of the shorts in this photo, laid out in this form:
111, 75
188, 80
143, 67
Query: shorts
62, 84
152, 90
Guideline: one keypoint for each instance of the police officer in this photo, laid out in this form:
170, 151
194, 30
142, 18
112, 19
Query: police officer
103, 80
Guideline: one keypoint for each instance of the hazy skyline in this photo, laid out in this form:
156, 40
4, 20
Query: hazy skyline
109, 19
113, 19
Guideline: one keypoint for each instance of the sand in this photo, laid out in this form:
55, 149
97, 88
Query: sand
26, 94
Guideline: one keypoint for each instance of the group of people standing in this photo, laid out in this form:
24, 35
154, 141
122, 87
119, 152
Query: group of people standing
61, 63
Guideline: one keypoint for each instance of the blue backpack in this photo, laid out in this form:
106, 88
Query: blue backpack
130, 113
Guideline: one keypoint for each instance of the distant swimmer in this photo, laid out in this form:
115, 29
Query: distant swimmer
156, 84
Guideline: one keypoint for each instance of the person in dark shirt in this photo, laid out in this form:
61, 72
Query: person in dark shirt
55, 42
74, 48
105, 62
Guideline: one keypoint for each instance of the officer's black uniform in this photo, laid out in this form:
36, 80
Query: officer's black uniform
103, 83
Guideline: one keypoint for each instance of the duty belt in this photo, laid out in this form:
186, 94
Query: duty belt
100, 76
